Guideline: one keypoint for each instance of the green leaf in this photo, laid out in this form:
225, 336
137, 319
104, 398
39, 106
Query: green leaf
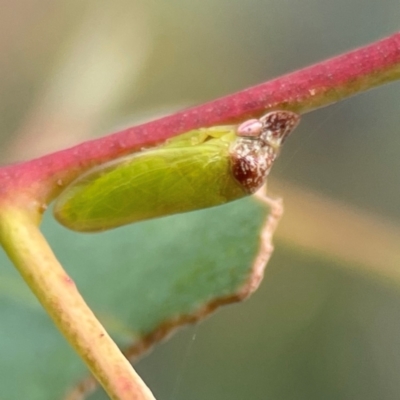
313, 320
135, 278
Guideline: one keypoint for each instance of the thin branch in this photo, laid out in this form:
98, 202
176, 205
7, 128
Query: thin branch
300, 91
58, 294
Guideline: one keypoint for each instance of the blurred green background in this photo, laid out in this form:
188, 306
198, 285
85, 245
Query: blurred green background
325, 323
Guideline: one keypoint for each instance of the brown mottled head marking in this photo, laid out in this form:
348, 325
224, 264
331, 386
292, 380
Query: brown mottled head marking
277, 125
252, 155
251, 161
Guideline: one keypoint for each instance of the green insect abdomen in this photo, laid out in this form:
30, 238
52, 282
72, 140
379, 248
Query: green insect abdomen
151, 184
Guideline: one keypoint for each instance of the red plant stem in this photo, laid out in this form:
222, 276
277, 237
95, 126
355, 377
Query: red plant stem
300, 91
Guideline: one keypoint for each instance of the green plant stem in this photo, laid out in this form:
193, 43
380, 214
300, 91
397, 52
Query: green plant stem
29, 251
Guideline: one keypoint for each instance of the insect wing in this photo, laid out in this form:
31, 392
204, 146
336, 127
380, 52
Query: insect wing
151, 184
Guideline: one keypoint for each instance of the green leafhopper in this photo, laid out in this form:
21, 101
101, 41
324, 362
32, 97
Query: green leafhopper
202, 168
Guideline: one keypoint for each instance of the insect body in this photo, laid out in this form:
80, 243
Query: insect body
199, 169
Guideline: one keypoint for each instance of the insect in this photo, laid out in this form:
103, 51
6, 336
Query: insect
202, 168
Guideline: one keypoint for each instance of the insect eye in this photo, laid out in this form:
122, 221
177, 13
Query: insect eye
250, 128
